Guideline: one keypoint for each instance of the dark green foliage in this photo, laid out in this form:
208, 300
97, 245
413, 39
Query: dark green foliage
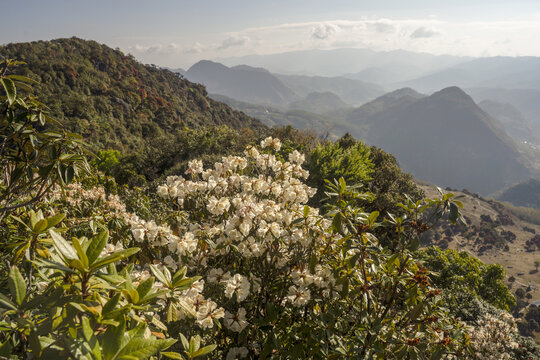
347, 159
531, 321
459, 272
111, 99
389, 184
106, 160
32, 160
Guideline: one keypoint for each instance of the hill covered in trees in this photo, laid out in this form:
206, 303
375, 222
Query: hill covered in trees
113, 100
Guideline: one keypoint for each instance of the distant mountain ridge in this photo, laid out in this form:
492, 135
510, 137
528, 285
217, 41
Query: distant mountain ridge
338, 62
493, 72
444, 138
351, 91
510, 118
261, 87
324, 102
244, 83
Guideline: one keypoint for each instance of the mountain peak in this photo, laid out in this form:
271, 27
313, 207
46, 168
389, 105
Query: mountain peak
452, 93
451, 90
206, 64
406, 91
250, 68
242, 82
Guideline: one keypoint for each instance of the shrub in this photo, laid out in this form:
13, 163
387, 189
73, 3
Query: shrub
293, 283
459, 270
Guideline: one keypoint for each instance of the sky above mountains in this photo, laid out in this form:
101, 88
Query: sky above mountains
177, 33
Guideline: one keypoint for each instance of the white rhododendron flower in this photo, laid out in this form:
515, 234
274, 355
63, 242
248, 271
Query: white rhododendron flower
298, 296
195, 167
207, 312
238, 285
236, 322
296, 157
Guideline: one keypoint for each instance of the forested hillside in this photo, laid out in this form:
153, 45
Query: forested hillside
113, 100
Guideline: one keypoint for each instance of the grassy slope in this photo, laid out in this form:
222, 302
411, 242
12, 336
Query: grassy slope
517, 261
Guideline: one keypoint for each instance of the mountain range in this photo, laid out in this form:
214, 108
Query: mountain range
394, 66
444, 138
293, 92
493, 72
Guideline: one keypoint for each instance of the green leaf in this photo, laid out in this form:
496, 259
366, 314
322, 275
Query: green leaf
23, 79
132, 295
77, 264
96, 246
111, 304
306, 211
372, 217
185, 342
112, 339
55, 220
454, 213
90, 338
159, 275
119, 255
184, 283
9, 87
62, 246
416, 311
6, 349
180, 274
25, 87
40, 226
17, 285
313, 261
145, 286
82, 255
4, 301
70, 173
53, 265
205, 350
172, 355
141, 348
414, 243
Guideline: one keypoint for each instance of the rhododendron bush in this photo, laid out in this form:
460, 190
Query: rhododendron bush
279, 279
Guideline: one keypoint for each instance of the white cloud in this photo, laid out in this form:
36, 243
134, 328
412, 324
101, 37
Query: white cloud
171, 48
427, 34
438, 36
424, 32
196, 48
234, 41
383, 26
323, 31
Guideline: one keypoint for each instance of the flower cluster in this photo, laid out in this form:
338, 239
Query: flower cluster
76, 195
248, 228
273, 267
494, 337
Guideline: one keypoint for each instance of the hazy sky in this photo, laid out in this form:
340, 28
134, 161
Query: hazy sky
179, 33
